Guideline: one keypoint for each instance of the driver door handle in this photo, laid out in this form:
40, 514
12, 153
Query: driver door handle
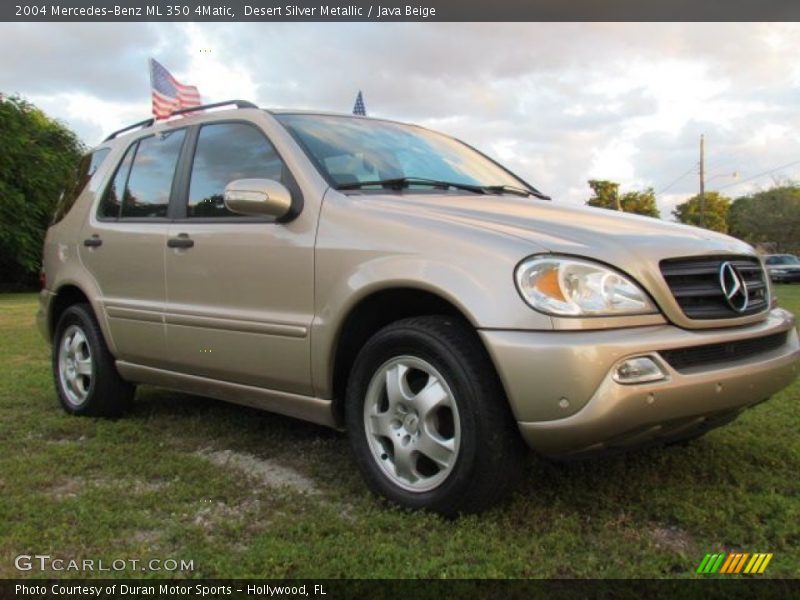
182, 241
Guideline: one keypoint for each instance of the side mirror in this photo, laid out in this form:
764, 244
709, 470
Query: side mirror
258, 197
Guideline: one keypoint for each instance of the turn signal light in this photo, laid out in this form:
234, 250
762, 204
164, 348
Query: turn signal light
641, 369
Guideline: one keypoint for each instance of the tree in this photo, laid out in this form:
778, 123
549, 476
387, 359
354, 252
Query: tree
711, 213
769, 216
607, 195
38, 156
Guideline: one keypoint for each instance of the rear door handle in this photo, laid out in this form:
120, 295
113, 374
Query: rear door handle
93, 242
182, 241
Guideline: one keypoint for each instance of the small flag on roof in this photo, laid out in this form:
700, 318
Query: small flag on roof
358, 108
169, 94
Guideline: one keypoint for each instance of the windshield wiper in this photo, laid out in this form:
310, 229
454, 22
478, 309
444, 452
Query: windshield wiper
400, 183
510, 189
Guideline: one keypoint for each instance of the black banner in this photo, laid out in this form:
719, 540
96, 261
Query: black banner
335, 589
392, 10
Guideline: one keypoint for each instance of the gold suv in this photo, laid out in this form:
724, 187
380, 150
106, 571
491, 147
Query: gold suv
394, 282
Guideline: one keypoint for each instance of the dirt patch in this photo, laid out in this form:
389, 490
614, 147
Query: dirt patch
137, 486
67, 488
671, 538
214, 515
145, 537
269, 472
72, 487
67, 440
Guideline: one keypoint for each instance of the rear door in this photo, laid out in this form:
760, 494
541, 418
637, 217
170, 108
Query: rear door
124, 241
239, 289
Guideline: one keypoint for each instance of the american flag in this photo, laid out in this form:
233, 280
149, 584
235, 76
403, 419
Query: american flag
359, 108
169, 95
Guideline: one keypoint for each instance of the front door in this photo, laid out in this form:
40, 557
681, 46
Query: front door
239, 289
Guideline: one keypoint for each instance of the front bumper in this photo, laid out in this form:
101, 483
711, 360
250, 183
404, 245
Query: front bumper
566, 402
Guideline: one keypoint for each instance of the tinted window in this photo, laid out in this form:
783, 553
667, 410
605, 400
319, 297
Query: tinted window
150, 181
86, 170
228, 151
350, 150
112, 199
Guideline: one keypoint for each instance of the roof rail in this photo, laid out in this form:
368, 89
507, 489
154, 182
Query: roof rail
151, 121
142, 124
238, 103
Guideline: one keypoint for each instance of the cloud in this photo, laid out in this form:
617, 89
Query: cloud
559, 103
104, 60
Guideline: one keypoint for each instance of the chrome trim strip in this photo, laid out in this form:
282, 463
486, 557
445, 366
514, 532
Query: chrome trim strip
134, 314
154, 313
281, 329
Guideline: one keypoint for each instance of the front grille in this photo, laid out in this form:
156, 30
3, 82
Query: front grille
681, 359
695, 284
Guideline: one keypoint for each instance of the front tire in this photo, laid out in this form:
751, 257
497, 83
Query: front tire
86, 378
428, 419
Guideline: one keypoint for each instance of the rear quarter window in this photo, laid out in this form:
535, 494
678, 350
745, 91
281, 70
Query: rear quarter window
87, 167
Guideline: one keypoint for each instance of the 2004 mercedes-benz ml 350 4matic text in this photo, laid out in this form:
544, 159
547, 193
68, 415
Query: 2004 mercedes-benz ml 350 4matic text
394, 282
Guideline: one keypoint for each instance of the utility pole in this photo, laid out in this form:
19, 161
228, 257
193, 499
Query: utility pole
702, 182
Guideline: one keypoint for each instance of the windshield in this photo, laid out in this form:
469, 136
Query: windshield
349, 151
783, 259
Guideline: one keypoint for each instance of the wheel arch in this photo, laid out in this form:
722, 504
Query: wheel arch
372, 312
69, 293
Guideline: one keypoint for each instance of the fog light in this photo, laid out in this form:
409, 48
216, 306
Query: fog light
641, 369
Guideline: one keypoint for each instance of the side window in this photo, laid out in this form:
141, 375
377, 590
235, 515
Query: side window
112, 199
86, 170
150, 180
228, 151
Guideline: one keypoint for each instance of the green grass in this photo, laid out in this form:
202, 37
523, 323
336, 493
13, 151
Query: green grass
136, 488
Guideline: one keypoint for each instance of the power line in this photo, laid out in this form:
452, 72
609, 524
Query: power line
676, 181
733, 157
787, 165
693, 169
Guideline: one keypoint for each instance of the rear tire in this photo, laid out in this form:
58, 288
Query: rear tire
428, 420
86, 378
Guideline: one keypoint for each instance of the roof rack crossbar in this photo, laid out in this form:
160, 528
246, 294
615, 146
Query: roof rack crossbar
237, 103
142, 124
151, 121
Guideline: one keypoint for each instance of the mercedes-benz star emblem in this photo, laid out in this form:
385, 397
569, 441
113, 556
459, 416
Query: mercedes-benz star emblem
733, 287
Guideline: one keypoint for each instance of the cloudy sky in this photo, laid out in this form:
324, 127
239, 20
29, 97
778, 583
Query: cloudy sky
558, 103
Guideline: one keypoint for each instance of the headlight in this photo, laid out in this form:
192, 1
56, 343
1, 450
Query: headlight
573, 287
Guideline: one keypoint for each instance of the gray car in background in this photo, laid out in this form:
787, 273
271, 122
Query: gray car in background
783, 268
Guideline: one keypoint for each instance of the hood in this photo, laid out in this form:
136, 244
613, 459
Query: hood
585, 231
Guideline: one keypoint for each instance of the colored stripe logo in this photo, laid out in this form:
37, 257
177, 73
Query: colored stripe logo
736, 562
